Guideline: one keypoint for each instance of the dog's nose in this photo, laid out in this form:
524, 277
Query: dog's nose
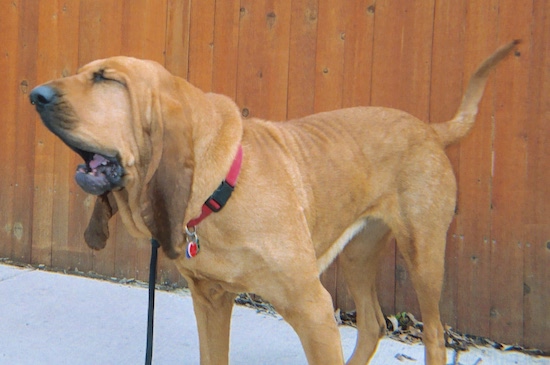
42, 96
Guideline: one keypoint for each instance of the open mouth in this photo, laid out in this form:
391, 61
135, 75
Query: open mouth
99, 173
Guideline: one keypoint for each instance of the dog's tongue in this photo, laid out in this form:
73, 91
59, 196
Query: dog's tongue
96, 161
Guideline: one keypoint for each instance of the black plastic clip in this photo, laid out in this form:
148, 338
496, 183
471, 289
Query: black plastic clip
220, 197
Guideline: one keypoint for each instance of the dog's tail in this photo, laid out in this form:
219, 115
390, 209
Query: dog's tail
453, 130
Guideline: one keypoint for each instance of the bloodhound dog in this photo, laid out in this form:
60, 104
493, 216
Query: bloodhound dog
295, 195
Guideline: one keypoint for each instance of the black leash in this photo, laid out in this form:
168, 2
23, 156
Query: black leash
151, 310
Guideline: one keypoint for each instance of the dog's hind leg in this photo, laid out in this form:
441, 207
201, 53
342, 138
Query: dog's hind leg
424, 257
307, 307
359, 263
426, 208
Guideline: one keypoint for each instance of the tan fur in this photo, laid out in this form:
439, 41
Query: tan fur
309, 189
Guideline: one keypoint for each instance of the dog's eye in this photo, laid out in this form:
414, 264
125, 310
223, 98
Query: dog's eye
99, 76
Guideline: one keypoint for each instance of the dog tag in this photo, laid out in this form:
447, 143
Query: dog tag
192, 239
192, 249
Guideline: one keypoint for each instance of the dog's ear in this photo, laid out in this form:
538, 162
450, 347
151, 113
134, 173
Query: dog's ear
97, 232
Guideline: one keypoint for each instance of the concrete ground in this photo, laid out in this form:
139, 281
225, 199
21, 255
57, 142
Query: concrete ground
51, 318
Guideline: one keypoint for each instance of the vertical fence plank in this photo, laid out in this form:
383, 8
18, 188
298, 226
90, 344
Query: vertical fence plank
9, 28
536, 322
201, 44
536, 295
177, 37
329, 69
301, 63
359, 41
537, 211
401, 79
474, 184
402, 56
385, 282
100, 29
445, 95
509, 177
54, 39
262, 76
276, 24
44, 142
64, 62
25, 69
226, 48
143, 30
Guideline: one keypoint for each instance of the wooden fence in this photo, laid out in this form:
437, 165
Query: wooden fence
282, 59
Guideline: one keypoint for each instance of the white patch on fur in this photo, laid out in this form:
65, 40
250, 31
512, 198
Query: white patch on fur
324, 261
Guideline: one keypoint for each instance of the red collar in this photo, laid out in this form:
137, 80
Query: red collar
213, 204
217, 200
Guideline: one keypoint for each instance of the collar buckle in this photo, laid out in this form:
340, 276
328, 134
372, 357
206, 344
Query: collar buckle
220, 197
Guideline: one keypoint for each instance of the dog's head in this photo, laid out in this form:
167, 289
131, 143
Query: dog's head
105, 115
142, 133
110, 114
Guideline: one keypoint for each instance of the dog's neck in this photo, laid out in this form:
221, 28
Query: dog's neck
211, 142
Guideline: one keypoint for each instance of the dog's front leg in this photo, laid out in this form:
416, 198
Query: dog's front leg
213, 306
